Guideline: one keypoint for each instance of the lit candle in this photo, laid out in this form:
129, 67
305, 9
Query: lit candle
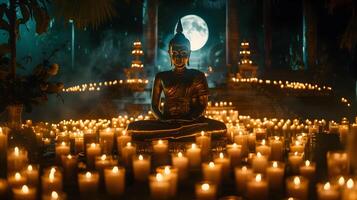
242, 139
277, 148
297, 187
337, 163
141, 168
88, 183
203, 140
251, 141
234, 152
54, 195
171, 173
159, 186
295, 160
308, 170
78, 144
3, 142
225, 163
89, 136
263, 148
103, 162
16, 159
127, 153
161, 151
297, 146
93, 150
242, 176
115, 180
206, 191
349, 192
24, 193
106, 140
122, 140
275, 175
259, 163
257, 188
69, 163
16, 180
32, 175
3, 189
212, 172
260, 133
180, 162
52, 181
62, 149
327, 192
194, 156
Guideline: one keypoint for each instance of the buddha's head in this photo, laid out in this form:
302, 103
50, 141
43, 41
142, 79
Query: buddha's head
179, 48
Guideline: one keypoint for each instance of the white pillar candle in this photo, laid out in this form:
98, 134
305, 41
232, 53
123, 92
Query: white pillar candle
263, 148
242, 176
242, 139
93, 150
297, 146
115, 180
261, 133
106, 140
349, 191
159, 186
69, 163
206, 191
297, 187
212, 172
32, 175
141, 168
193, 154
327, 192
337, 163
295, 160
88, 183
16, 159
224, 161
171, 173
234, 152
54, 195
259, 163
122, 140
251, 141
78, 145
307, 170
127, 153
104, 161
180, 162
343, 130
16, 180
160, 151
275, 175
62, 148
203, 140
257, 188
277, 148
51, 181
89, 136
24, 193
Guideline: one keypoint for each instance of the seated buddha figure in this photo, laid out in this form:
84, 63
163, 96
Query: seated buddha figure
186, 94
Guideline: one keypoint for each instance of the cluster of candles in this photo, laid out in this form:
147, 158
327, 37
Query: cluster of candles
99, 85
284, 84
345, 102
265, 156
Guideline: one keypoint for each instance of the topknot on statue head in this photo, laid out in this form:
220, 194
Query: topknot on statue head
179, 38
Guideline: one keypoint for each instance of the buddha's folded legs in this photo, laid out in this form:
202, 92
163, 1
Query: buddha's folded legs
175, 130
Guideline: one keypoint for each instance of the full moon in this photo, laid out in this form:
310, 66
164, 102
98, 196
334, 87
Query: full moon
196, 30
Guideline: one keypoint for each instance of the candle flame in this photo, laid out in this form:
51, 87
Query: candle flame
54, 195
263, 142
92, 145
128, 144
193, 146
259, 155
205, 186
275, 164
350, 183
17, 176
115, 169
63, 144
296, 180
296, 153
103, 157
341, 181
244, 168
88, 175
211, 164
307, 163
17, 151
327, 186
159, 177
258, 178
51, 176
202, 133
167, 170
29, 168
25, 189
160, 142
235, 145
69, 156
141, 157
179, 155
221, 155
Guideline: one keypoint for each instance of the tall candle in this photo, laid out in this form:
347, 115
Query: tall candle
180, 161
308, 170
171, 173
263, 148
225, 163
16, 180
234, 152
127, 153
242, 176
212, 172
327, 192
88, 183
122, 140
297, 146
93, 150
3, 188
206, 191
297, 187
275, 175
3, 142
257, 188
203, 140
193, 154
115, 180
161, 151
141, 168
62, 148
32, 175
295, 160
54, 195
24, 193
106, 140
242, 139
103, 162
337, 163
349, 192
277, 148
78, 145
51, 181
259, 163
159, 186
251, 141
16, 159
69, 163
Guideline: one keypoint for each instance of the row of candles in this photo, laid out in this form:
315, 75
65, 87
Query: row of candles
99, 85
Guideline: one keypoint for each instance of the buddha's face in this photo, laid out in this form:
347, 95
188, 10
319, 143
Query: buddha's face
180, 55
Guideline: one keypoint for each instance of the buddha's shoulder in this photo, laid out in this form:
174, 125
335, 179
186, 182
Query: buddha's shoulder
163, 74
196, 73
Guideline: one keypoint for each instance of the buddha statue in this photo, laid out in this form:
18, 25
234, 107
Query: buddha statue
186, 95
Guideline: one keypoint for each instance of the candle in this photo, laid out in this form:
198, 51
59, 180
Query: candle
242, 139
161, 151
54, 195
349, 192
115, 180
16, 159
212, 172
180, 162
277, 148
16, 180
260, 133
275, 175
32, 175
203, 140
308, 170
159, 186
93, 150
88, 183
106, 140
78, 145
122, 140
3, 189
297, 187
24, 193
62, 149
337, 163
171, 173
297, 146
259, 163
234, 152
242, 176
127, 153
225, 163
343, 130
257, 188
89, 136
194, 156
141, 168
327, 192
263, 148
103, 162
52, 181
251, 141
69, 164
295, 160
3, 142
206, 191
